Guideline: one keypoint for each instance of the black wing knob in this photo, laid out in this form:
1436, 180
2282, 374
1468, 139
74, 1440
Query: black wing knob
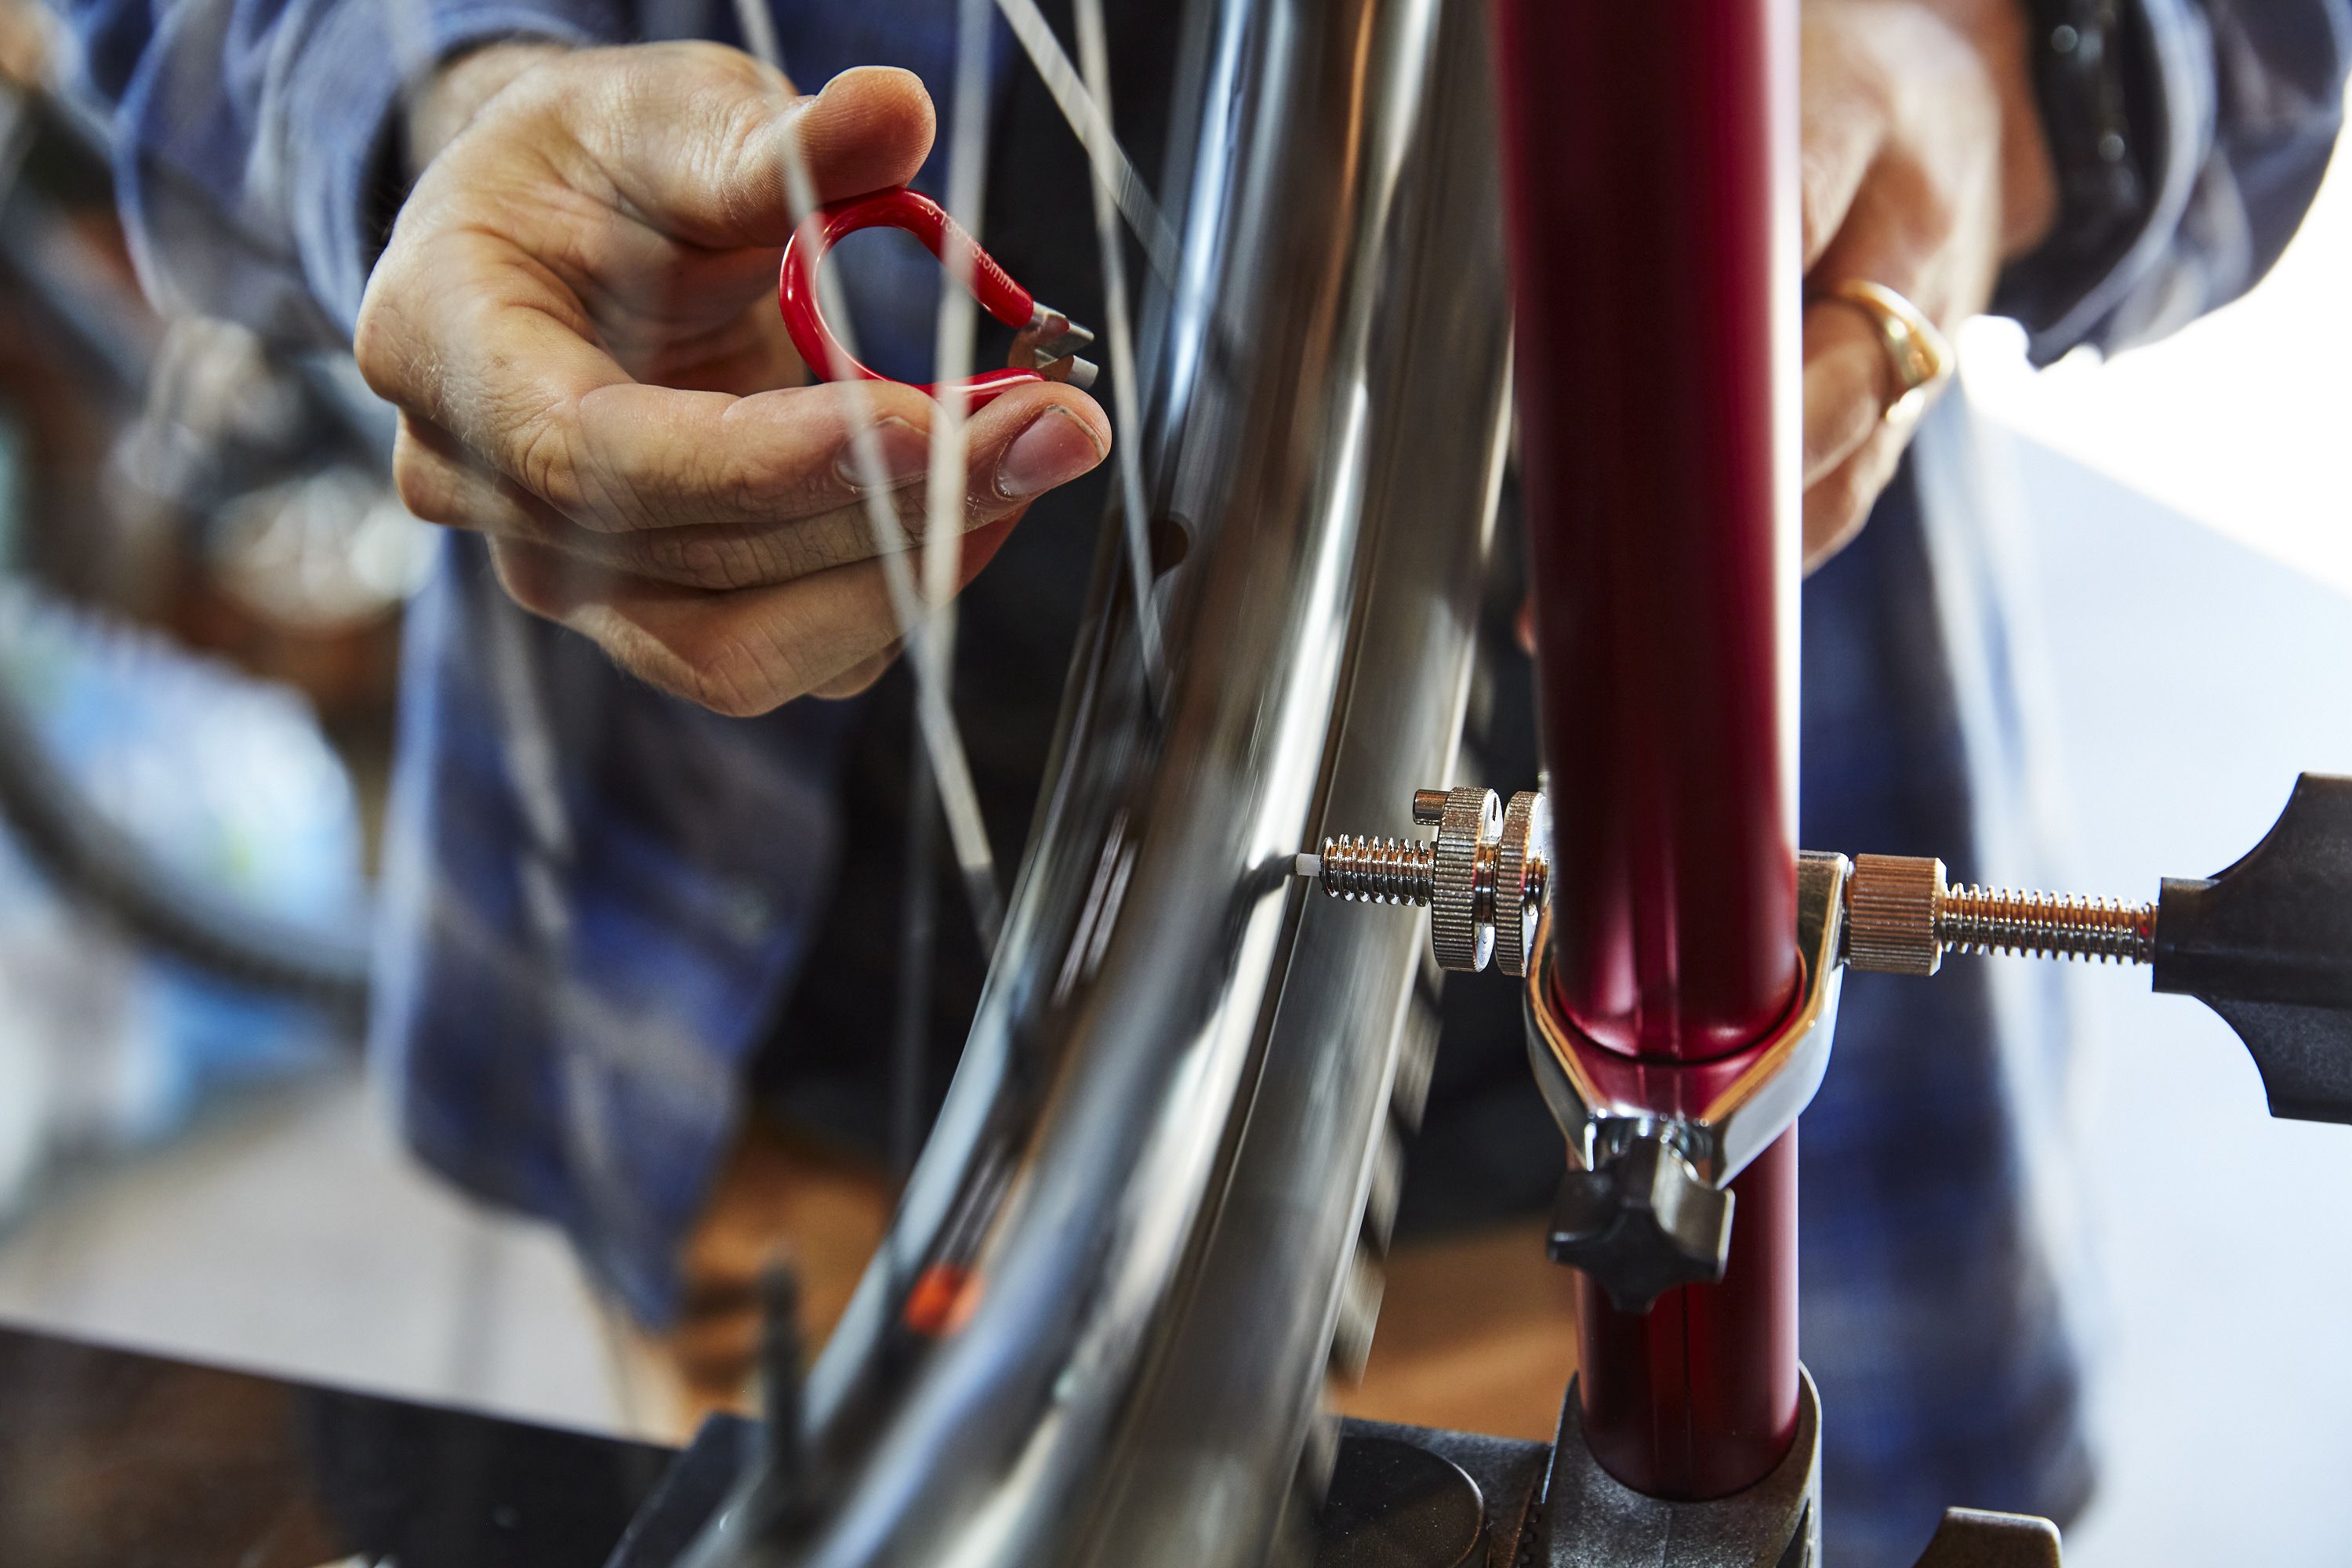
2267, 944
1642, 1222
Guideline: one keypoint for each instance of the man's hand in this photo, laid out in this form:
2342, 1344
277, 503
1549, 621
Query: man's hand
576, 317
1923, 170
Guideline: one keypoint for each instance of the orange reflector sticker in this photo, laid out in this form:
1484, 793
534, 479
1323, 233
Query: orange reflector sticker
943, 1300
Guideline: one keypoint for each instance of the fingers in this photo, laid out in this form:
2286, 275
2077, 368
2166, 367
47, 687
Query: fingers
615, 200
610, 220
1852, 444
858, 676
722, 503
650, 457
1845, 117
1891, 233
1845, 385
871, 127
1838, 504
741, 653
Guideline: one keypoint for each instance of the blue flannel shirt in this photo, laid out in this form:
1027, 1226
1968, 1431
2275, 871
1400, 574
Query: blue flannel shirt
597, 897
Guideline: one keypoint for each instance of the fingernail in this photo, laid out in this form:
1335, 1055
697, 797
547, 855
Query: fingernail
902, 453
1055, 448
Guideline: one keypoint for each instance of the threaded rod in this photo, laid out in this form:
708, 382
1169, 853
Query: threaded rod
1378, 870
2048, 925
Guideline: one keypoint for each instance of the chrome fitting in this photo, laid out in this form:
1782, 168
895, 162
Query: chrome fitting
1482, 879
1644, 1207
1902, 918
1741, 1120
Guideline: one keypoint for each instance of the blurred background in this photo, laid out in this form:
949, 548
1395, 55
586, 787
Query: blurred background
202, 575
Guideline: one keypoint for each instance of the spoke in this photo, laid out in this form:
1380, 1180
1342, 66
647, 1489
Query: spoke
911, 1028
1088, 112
950, 766
1094, 51
959, 319
952, 361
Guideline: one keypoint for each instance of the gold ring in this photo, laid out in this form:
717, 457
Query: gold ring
1919, 356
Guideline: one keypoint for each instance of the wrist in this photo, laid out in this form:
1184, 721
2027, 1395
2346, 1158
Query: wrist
460, 87
2083, 60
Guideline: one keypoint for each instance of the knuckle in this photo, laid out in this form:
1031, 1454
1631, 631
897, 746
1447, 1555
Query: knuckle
422, 486
523, 580
380, 340
693, 561
733, 489
746, 129
545, 463
720, 61
743, 673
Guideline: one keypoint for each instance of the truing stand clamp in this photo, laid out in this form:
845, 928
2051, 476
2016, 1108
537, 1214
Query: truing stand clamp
2265, 943
1644, 1207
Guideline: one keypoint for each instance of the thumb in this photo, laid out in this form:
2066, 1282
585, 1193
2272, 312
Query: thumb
871, 127
719, 171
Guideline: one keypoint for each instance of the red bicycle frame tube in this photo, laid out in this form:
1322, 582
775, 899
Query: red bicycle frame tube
1650, 177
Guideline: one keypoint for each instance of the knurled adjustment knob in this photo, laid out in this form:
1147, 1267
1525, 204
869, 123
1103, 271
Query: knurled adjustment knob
1467, 829
1482, 877
1522, 863
1892, 903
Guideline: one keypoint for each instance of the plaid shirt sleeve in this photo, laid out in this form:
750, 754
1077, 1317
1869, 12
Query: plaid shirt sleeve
248, 136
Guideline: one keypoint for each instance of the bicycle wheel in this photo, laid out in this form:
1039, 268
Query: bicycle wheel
1098, 1328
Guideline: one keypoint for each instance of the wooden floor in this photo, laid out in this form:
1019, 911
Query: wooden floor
1474, 1334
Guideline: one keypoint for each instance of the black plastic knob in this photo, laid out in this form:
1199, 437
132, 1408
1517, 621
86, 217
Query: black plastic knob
2267, 944
1641, 1222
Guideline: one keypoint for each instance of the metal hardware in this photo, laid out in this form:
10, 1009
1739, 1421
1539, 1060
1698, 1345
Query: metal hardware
1665, 599
1394, 1504
1902, 918
1919, 358
1973, 1538
1644, 1209
2265, 943
1056, 338
1150, 1161
1482, 879
1762, 1098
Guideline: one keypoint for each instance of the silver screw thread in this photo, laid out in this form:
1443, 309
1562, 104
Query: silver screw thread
2047, 925
1378, 870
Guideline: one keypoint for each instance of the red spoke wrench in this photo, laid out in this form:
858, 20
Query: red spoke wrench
1046, 351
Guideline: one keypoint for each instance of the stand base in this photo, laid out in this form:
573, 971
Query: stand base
1587, 1518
